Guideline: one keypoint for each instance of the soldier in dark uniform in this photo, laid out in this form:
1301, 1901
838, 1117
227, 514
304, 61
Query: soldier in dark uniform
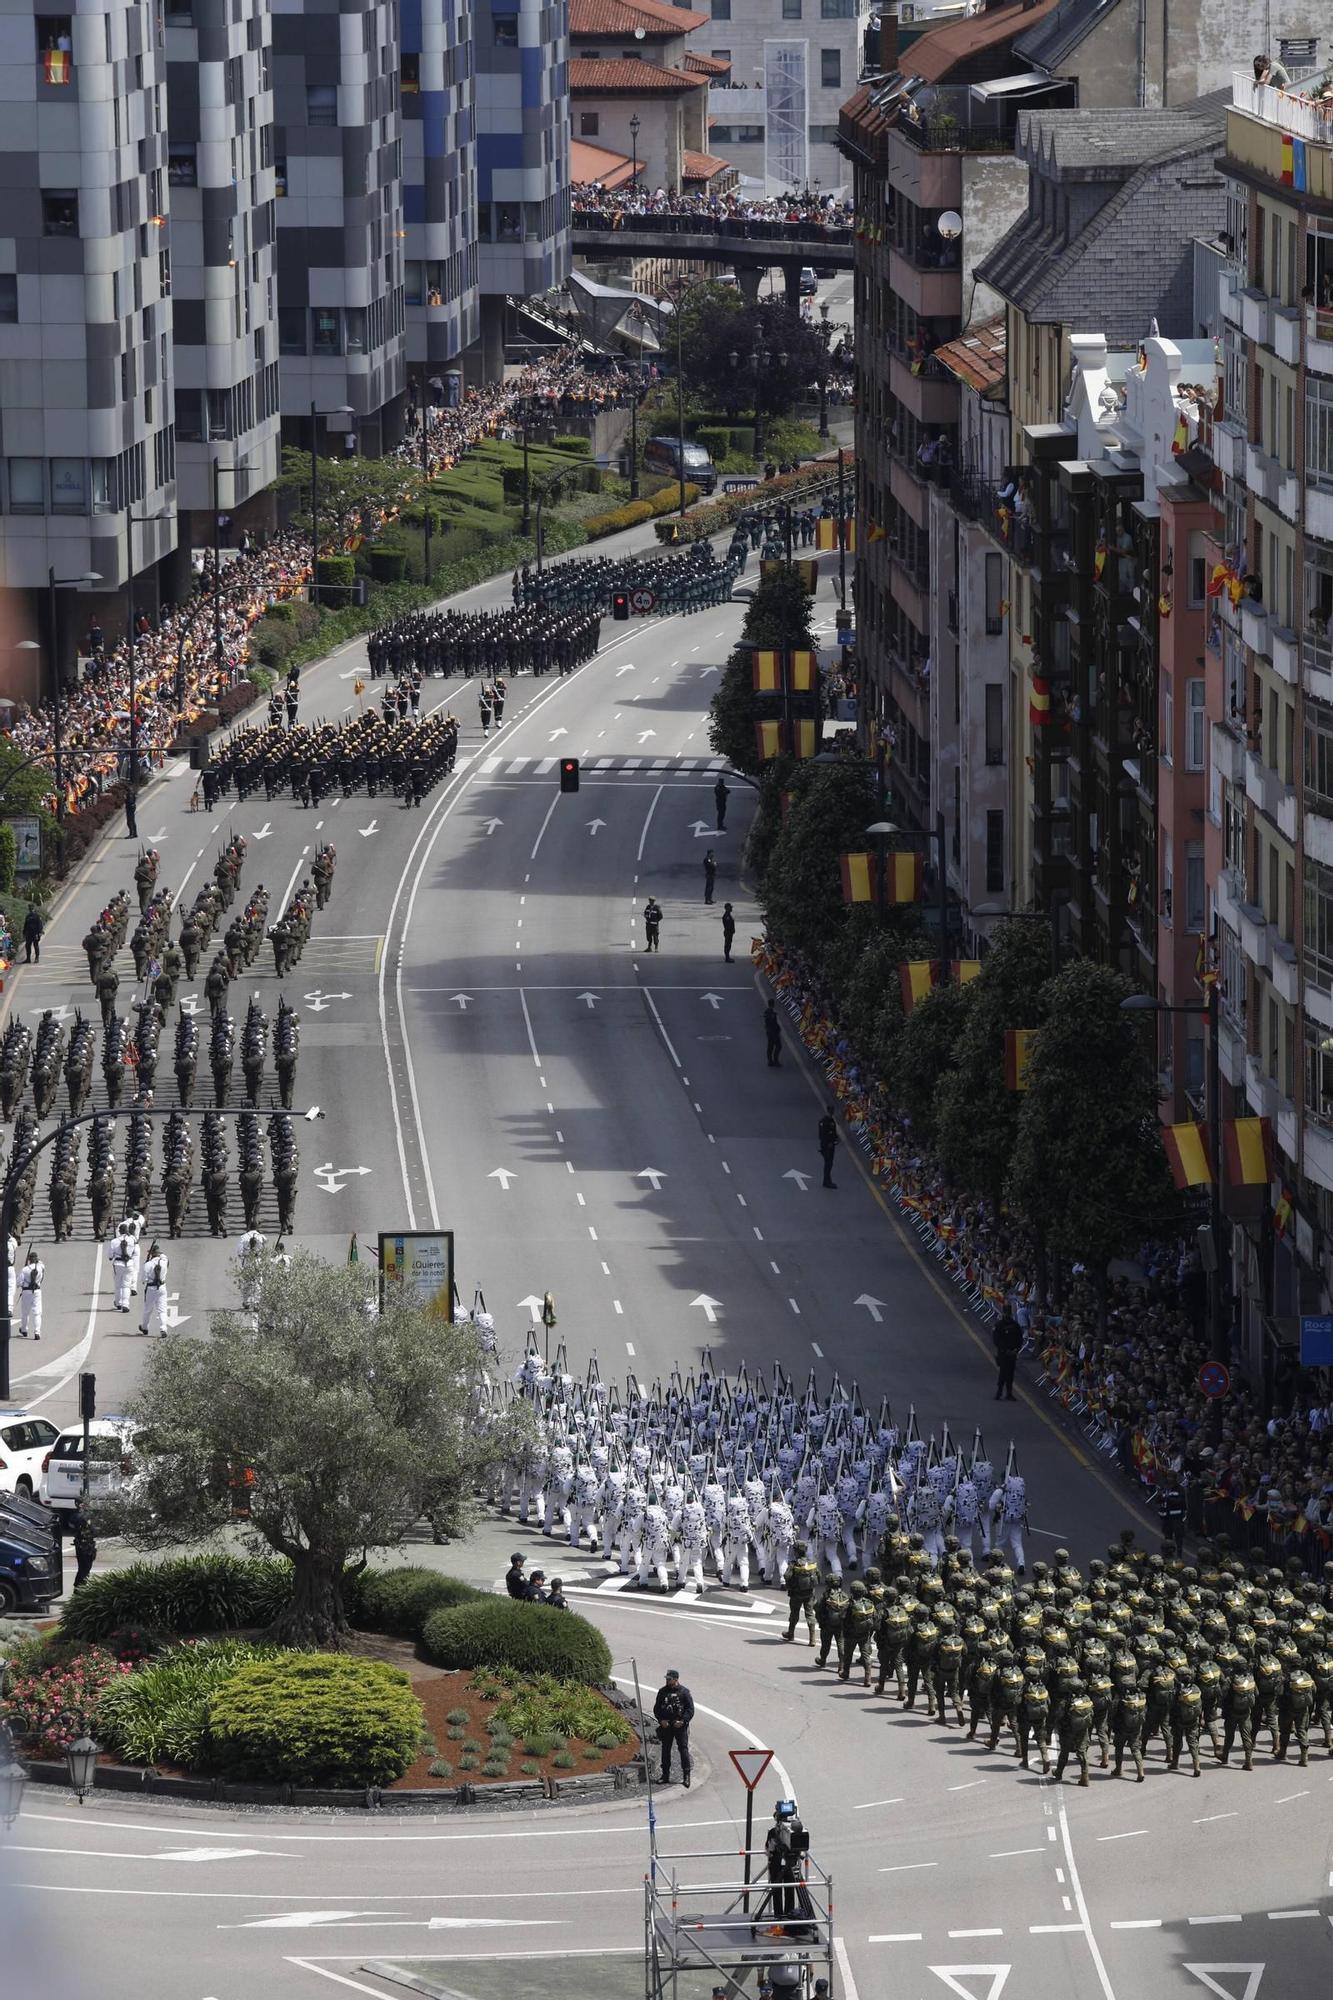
802, 1583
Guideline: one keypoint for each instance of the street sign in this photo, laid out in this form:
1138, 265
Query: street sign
417, 1265
742, 484
1214, 1378
1317, 1340
751, 1764
642, 600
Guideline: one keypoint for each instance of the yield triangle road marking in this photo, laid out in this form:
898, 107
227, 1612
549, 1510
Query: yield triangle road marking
1253, 1973
953, 1974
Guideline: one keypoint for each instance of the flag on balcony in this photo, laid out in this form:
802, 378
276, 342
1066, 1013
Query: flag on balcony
1099, 559
1164, 604
1217, 582
768, 740
1187, 1154
918, 977
1017, 1055
1181, 437
766, 672
1205, 962
1282, 1214
1249, 1151
1039, 702
56, 68
875, 533
1293, 162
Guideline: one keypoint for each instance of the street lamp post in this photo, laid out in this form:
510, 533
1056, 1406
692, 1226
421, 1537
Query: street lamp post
1219, 1342
634, 127
525, 525
133, 520
675, 296
53, 584
339, 410
13, 1174
636, 388
825, 330
882, 829
241, 465
425, 480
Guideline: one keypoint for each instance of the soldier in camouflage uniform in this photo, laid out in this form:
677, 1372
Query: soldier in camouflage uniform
802, 1583
830, 1614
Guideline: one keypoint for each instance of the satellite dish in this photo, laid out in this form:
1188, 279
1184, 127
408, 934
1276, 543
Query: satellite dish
950, 225
640, 34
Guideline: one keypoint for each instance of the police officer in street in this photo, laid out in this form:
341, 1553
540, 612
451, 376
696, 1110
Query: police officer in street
773, 1036
673, 1710
84, 1541
828, 1145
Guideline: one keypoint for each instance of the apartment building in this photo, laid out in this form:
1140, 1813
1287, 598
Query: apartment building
523, 65
221, 189
342, 329
1271, 802
438, 90
85, 304
634, 89
792, 66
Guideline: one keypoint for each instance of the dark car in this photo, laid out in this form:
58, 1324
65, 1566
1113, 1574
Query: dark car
30, 1570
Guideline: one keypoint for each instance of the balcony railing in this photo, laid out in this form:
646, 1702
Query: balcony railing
1304, 117
950, 123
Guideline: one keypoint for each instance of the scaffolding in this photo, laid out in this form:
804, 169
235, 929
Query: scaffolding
715, 1934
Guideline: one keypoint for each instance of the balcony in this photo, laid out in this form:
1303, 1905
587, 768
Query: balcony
1229, 449
1256, 315
1319, 513
1286, 654
1287, 334
1228, 754
1319, 339
1288, 496
1231, 298
1286, 979
1254, 626
1318, 837
930, 394
955, 123
1261, 473
1254, 935
932, 294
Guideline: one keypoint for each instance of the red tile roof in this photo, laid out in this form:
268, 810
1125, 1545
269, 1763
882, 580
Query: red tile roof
704, 65
704, 166
977, 357
620, 78
623, 17
598, 163
941, 50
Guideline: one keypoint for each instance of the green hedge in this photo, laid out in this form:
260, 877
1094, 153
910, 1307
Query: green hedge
160, 1713
531, 1638
580, 446
214, 1593
315, 1719
636, 511
401, 1600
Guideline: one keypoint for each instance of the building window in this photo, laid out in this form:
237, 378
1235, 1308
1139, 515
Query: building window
735, 135
182, 166
823, 135
830, 68
412, 281
409, 74
791, 10
1319, 431
1195, 892
291, 330
590, 124
506, 30
189, 416
280, 175
55, 50
26, 486
326, 330
9, 299
837, 10
994, 595
994, 849
60, 212
508, 222
356, 329
321, 104
1319, 755
995, 720
1318, 909
1196, 727
721, 10
1167, 746
69, 486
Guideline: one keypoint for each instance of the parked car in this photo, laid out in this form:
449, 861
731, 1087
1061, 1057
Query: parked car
662, 454
809, 282
30, 1568
24, 1443
111, 1464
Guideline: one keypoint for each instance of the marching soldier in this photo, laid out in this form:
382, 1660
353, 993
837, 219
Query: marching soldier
802, 1583
31, 1279
859, 1630
830, 1615
121, 1259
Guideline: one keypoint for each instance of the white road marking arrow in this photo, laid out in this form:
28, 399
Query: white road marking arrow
57, 1013
502, 1174
491, 824
589, 1000
593, 825
463, 1000
161, 834
714, 1000
710, 1307
306, 1920
366, 831
872, 1306
555, 733
996, 1974
627, 668
1253, 1972
533, 1304
319, 999
802, 1180
175, 1318
331, 1178
189, 1003
709, 670
264, 831
656, 1176
701, 827
215, 1854
644, 734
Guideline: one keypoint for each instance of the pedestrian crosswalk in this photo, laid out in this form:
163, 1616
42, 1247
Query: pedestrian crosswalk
585, 1576
541, 767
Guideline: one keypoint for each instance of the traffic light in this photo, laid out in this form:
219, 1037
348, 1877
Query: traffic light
620, 604
569, 774
87, 1397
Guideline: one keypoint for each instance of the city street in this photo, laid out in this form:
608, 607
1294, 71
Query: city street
494, 1053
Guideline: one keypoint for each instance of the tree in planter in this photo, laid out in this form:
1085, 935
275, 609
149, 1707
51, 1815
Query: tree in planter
777, 618
350, 1419
711, 334
1089, 1172
831, 806
354, 493
925, 1052
976, 1114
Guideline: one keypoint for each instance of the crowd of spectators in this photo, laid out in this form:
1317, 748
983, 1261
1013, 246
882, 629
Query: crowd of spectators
560, 386
1125, 1363
797, 213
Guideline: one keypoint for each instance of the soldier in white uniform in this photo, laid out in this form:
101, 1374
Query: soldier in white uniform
154, 1318
655, 1552
690, 1554
583, 1511
781, 1541
828, 1532
1008, 1515
30, 1296
122, 1257
133, 1227
925, 1517
15, 1255
736, 1541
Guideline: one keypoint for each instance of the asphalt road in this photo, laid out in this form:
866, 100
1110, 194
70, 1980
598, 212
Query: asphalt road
495, 1054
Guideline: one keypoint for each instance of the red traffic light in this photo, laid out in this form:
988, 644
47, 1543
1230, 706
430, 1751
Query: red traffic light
569, 774
620, 604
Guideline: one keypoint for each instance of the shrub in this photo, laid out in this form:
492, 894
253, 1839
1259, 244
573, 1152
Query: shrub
530, 1637
160, 1713
564, 1708
608, 1740
565, 1760
213, 1593
315, 1719
457, 1716
9, 857
441, 1768
495, 1766
387, 564
270, 641
538, 1745
52, 1706
469, 1761
529, 1769
580, 446
400, 1600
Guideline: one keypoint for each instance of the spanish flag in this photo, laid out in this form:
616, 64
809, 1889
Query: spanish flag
808, 571
1205, 964
1282, 1214
1164, 604
1017, 1055
1181, 436
917, 977
1099, 559
56, 65
860, 877
1187, 1155
806, 732
903, 870
768, 740
802, 672
1217, 582
1248, 1144
826, 534
965, 970
875, 533
1039, 702
766, 672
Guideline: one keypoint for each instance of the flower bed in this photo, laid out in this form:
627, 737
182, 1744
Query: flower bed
491, 1729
